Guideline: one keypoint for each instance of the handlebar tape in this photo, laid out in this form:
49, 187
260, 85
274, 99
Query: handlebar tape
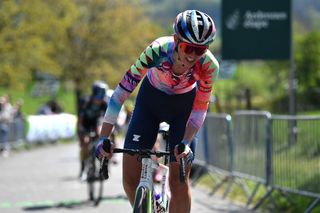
181, 148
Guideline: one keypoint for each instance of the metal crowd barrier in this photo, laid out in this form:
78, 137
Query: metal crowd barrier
251, 135
278, 152
14, 134
37, 129
214, 150
296, 156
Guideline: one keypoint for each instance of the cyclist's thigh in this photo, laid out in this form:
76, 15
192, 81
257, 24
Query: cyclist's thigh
142, 131
174, 177
144, 125
131, 169
181, 110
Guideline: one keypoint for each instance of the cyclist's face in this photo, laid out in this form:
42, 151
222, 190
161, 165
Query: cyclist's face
190, 53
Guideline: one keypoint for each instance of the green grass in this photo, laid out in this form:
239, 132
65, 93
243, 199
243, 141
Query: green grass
292, 204
65, 98
295, 165
309, 113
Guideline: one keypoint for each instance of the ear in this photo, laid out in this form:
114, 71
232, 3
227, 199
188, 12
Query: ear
176, 39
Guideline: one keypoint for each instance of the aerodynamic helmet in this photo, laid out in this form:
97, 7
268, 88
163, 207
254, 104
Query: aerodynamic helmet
195, 27
99, 89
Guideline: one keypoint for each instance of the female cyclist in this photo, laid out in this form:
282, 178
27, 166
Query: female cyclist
180, 71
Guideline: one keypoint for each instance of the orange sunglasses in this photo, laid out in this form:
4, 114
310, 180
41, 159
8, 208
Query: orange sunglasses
188, 48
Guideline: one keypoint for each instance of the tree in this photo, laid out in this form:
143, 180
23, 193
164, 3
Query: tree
30, 34
308, 60
104, 41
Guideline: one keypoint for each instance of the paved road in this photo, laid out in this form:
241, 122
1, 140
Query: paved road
45, 180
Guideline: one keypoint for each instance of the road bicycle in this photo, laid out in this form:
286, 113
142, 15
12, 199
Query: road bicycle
148, 197
94, 179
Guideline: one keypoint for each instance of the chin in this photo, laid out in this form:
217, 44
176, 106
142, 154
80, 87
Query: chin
190, 64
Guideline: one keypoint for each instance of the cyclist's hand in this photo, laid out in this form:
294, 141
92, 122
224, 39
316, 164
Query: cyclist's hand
104, 148
187, 153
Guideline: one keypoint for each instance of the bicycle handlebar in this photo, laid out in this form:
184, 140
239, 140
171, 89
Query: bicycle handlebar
143, 153
181, 148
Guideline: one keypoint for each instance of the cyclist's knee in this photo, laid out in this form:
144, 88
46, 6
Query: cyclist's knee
176, 186
131, 171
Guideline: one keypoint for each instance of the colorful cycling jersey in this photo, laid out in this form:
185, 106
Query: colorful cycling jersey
156, 62
90, 113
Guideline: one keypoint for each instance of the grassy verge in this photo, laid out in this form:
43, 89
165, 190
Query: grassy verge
279, 202
31, 104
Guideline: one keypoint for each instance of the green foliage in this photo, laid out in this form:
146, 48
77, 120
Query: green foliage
30, 34
265, 81
307, 59
107, 37
65, 97
75, 40
81, 40
164, 12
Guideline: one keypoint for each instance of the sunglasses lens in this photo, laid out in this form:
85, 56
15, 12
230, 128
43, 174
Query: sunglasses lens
188, 49
199, 51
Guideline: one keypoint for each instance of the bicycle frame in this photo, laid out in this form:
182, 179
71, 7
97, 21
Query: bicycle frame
146, 182
144, 196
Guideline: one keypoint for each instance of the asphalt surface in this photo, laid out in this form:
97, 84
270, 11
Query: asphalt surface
45, 180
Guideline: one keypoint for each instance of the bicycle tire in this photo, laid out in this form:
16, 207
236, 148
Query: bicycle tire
95, 182
142, 202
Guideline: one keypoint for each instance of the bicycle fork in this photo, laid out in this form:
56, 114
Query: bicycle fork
165, 192
146, 181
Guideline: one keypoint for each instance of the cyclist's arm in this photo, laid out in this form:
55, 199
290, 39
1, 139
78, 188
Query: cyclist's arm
126, 86
106, 129
208, 74
80, 121
189, 133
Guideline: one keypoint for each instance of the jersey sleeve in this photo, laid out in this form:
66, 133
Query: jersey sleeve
131, 79
209, 69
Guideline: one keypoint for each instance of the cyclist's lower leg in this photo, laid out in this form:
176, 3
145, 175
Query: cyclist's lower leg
83, 156
180, 192
131, 176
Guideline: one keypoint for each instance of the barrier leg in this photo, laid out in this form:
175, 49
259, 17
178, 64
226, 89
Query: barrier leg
198, 174
313, 204
255, 190
229, 187
215, 189
243, 186
267, 194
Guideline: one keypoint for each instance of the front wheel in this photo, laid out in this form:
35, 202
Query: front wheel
142, 202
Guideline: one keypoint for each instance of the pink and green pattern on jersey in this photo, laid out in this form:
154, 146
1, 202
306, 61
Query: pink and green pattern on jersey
156, 62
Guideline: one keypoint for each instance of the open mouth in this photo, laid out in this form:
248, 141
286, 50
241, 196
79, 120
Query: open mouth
190, 59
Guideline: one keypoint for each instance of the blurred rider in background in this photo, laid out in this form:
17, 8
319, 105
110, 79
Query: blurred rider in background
91, 111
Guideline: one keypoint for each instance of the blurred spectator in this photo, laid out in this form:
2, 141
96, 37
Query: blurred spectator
17, 109
19, 121
51, 107
5, 120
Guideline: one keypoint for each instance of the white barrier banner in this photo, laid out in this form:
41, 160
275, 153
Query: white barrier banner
51, 127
